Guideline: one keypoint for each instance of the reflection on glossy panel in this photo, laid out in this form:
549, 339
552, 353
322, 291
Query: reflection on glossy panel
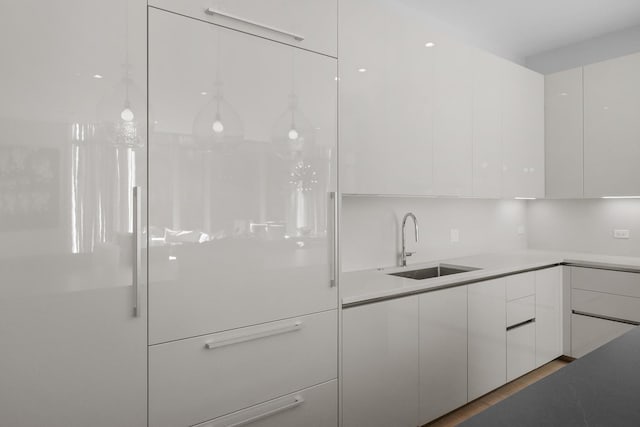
241, 166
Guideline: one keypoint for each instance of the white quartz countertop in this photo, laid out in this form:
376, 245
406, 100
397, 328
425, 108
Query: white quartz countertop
358, 287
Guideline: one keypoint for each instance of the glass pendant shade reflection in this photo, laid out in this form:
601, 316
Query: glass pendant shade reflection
217, 122
121, 120
293, 133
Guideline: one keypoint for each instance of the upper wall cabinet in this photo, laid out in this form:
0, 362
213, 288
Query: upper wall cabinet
564, 134
612, 127
73, 155
522, 132
241, 171
309, 24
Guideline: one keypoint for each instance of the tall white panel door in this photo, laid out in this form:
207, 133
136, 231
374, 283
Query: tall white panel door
380, 364
487, 337
387, 97
443, 352
242, 157
612, 128
522, 132
549, 304
563, 121
487, 71
72, 149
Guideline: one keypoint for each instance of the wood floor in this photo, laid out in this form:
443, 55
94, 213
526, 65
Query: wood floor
472, 408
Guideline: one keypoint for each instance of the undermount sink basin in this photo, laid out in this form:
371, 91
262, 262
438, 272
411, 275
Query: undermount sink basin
431, 272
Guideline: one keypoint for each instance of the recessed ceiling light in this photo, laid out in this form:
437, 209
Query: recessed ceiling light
203, 93
98, 76
362, 70
429, 44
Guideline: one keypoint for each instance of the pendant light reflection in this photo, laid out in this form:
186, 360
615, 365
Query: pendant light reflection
217, 122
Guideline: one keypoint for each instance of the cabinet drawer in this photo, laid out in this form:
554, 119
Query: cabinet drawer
616, 306
521, 350
521, 285
613, 282
589, 333
199, 379
521, 310
314, 407
310, 24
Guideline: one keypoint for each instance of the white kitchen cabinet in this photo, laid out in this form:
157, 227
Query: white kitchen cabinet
588, 333
443, 352
549, 322
452, 119
521, 350
309, 24
564, 134
315, 406
242, 165
487, 72
198, 379
520, 285
73, 147
387, 99
612, 128
522, 132
487, 337
380, 364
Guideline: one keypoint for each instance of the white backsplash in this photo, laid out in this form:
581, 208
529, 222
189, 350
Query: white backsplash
584, 225
371, 226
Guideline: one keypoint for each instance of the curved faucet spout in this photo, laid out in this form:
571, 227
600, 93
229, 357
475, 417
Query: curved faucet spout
405, 254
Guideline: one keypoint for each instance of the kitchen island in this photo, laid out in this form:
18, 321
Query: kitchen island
600, 389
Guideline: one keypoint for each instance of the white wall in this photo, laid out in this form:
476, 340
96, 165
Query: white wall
597, 49
584, 225
370, 234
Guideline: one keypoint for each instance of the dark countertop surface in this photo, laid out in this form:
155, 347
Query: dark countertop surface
600, 389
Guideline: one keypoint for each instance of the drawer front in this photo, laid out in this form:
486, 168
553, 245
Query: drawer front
612, 282
521, 351
313, 407
589, 333
521, 285
521, 310
616, 306
199, 379
309, 24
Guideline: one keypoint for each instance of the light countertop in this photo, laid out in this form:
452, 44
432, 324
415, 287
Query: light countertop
358, 287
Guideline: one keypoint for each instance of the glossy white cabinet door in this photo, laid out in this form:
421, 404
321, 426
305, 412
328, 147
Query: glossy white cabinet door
72, 147
443, 352
380, 366
487, 73
241, 168
612, 128
309, 24
452, 120
487, 337
563, 121
549, 302
386, 99
522, 132
521, 350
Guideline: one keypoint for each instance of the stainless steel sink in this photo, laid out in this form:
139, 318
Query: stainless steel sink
435, 271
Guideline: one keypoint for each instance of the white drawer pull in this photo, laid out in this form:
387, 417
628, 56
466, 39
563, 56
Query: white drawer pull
254, 336
211, 11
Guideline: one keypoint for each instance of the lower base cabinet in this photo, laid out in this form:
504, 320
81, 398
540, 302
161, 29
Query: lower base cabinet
443, 352
521, 350
313, 407
380, 364
589, 333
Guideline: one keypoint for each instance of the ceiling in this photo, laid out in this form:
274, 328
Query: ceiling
518, 28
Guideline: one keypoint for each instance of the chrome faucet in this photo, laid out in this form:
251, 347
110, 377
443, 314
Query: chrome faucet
405, 254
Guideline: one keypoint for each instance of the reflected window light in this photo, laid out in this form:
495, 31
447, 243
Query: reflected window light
429, 44
172, 258
98, 76
362, 70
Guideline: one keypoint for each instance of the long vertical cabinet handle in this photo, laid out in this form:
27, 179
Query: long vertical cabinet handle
333, 244
213, 12
137, 249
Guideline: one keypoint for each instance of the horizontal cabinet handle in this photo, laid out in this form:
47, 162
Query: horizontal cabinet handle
517, 325
603, 317
211, 345
214, 12
297, 401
